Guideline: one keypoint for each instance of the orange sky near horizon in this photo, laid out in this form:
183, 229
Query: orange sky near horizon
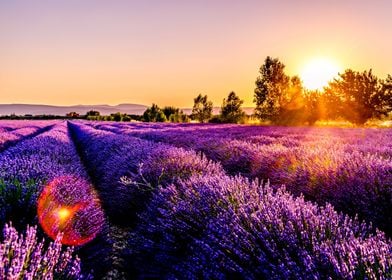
111, 52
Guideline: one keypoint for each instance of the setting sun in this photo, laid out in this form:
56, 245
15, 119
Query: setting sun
317, 73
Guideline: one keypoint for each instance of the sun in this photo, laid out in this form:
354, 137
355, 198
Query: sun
318, 72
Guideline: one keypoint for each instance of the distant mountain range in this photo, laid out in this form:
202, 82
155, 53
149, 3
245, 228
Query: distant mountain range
23, 109
33, 109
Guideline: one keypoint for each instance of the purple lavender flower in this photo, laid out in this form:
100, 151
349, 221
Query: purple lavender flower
349, 168
24, 257
217, 227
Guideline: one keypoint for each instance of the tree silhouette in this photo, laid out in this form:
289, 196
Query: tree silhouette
355, 96
170, 110
117, 117
231, 111
271, 89
154, 114
386, 97
174, 114
313, 108
292, 104
93, 113
361, 95
202, 109
279, 98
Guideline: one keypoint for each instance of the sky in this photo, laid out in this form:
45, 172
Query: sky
68, 52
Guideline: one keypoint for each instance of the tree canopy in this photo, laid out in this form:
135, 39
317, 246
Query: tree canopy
354, 96
202, 109
360, 95
231, 111
174, 114
154, 114
271, 88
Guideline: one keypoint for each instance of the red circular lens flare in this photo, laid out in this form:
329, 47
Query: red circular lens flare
69, 204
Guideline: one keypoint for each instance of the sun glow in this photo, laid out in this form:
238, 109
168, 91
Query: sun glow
73, 211
317, 73
63, 213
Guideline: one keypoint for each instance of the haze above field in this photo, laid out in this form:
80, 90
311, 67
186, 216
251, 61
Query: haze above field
167, 52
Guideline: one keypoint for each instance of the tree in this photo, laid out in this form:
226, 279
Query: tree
154, 114
174, 114
117, 117
313, 109
231, 111
170, 110
292, 104
126, 118
202, 109
386, 99
179, 117
279, 98
362, 96
271, 89
72, 115
93, 113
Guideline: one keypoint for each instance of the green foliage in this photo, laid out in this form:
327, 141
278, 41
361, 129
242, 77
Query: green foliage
231, 111
117, 117
93, 113
170, 110
354, 96
17, 200
154, 114
174, 114
312, 106
271, 88
360, 96
216, 119
279, 98
126, 118
386, 98
202, 109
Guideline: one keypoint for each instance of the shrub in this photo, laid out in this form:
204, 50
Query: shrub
24, 257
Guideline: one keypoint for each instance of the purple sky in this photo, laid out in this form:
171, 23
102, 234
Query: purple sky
90, 52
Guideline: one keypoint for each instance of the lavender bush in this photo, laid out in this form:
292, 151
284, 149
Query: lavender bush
140, 167
175, 213
24, 257
14, 132
222, 227
349, 168
27, 167
82, 217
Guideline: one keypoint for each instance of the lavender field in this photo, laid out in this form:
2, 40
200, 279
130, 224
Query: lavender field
104, 200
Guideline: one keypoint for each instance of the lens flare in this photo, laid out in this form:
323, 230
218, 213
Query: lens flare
69, 204
63, 213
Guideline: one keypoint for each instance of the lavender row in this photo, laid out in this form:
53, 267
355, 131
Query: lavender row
323, 167
126, 170
32, 164
214, 226
24, 257
219, 227
10, 135
28, 166
374, 141
9, 125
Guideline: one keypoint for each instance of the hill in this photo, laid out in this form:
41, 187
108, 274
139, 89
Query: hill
33, 109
